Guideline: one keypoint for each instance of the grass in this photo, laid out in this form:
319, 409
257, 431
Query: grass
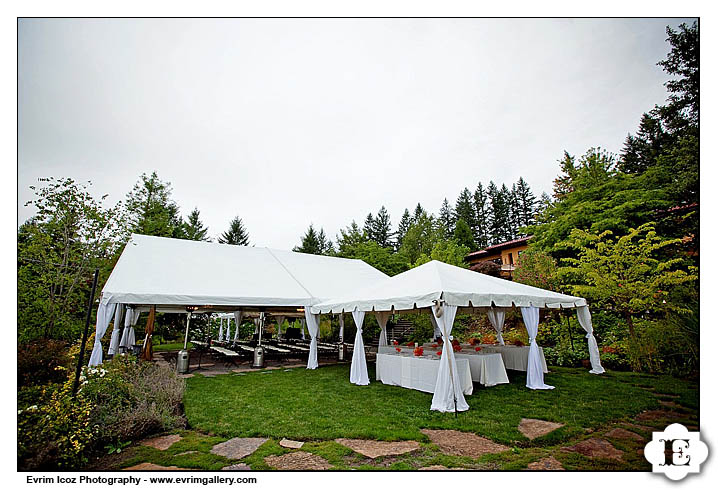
322, 404
319, 406
172, 346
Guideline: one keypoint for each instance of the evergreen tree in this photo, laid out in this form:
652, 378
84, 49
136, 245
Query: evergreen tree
483, 217
401, 230
369, 226
194, 229
494, 219
465, 209
348, 238
446, 216
151, 210
382, 228
236, 234
463, 235
418, 211
421, 237
526, 203
314, 242
514, 212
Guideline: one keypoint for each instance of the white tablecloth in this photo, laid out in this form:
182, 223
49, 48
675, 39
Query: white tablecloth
418, 373
487, 369
515, 357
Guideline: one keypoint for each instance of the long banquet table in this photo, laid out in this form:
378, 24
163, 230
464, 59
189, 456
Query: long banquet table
515, 357
487, 369
418, 373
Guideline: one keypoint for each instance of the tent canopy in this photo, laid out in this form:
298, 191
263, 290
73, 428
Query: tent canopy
422, 286
166, 271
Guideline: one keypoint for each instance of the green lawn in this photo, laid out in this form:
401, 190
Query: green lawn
323, 404
172, 346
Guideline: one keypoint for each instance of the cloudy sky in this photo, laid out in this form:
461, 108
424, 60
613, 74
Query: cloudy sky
292, 122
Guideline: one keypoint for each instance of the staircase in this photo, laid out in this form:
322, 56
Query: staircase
402, 329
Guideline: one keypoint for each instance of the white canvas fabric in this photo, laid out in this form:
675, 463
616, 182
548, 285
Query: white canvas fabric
280, 320
341, 327
437, 332
167, 271
237, 323
220, 337
359, 375
584, 318
382, 317
128, 334
496, 317
226, 333
313, 326
534, 370
448, 394
116, 327
303, 322
433, 281
104, 315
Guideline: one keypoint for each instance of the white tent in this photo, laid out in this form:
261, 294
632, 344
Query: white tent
172, 274
446, 288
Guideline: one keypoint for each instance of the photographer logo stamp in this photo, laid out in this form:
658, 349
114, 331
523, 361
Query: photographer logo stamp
676, 452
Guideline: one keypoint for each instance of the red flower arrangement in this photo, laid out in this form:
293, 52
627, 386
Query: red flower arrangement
477, 349
398, 349
438, 353
419, 351
395, 342
472, 341
457, 347
410, 344
440, 340
434, 345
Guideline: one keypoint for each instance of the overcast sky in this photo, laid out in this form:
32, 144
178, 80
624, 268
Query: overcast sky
292, 122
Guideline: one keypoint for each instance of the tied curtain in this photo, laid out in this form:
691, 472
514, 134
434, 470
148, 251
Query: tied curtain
280, 320
128, 334
584, 318
437, 332
448, 394
534, 370
382, 317
237, 322
359, 374
496, 317
226, 333
221, 329
302, 325
341, 328
313, 326
104, 315
116, 326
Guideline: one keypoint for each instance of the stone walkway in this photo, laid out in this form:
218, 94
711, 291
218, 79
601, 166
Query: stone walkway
298, 460
152, 467
374, 449
163, 442
463, 443
619, 433
238, 448
595, 448
546, 464
533, 428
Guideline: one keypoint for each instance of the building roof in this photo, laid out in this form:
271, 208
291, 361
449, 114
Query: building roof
500, 246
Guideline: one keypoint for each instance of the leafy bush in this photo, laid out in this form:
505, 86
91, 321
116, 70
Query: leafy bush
56, 432
566, 357
132, 398
42, 361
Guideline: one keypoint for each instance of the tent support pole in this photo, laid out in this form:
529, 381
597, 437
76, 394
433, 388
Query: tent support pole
186, 332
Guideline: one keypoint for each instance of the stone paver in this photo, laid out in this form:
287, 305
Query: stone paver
436, 467
239, 447
463, 443
651, 415
546, 464
619, 433
298, 460
533, 428
152, 467
237, 467
374, 449
288, 443
595, 448
670, 404
163, 442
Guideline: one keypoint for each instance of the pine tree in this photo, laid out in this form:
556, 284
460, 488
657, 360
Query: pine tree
404, 225
151, 209
369, 226
315, 243
496, 222
483, 217
465, 209
526, 202
514, 212
236, 235
463, 235
418, 211
446, 217
507, 228
382, 228
194, 228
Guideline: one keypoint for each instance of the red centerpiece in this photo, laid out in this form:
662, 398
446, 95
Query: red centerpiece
434, 345
398, 349
477, 349
410, 344
395, 342
419, 351
438, 353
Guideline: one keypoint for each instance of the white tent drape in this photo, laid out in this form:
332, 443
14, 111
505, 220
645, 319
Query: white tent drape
221, 329
448, 394
226, 333
534, 370
128, 334
303, 322
382, 317
359, 374
237, 323
116, 327
104, 315
313, 326
584, 318
341, 327
437, 332
496, 317
280, 320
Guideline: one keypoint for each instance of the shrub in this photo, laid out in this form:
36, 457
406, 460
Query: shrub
41, 362
56, 432
133, 399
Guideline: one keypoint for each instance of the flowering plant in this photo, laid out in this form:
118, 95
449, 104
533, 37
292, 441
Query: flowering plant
456, 347
472, 341
395, 342
419, 351
477, 349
